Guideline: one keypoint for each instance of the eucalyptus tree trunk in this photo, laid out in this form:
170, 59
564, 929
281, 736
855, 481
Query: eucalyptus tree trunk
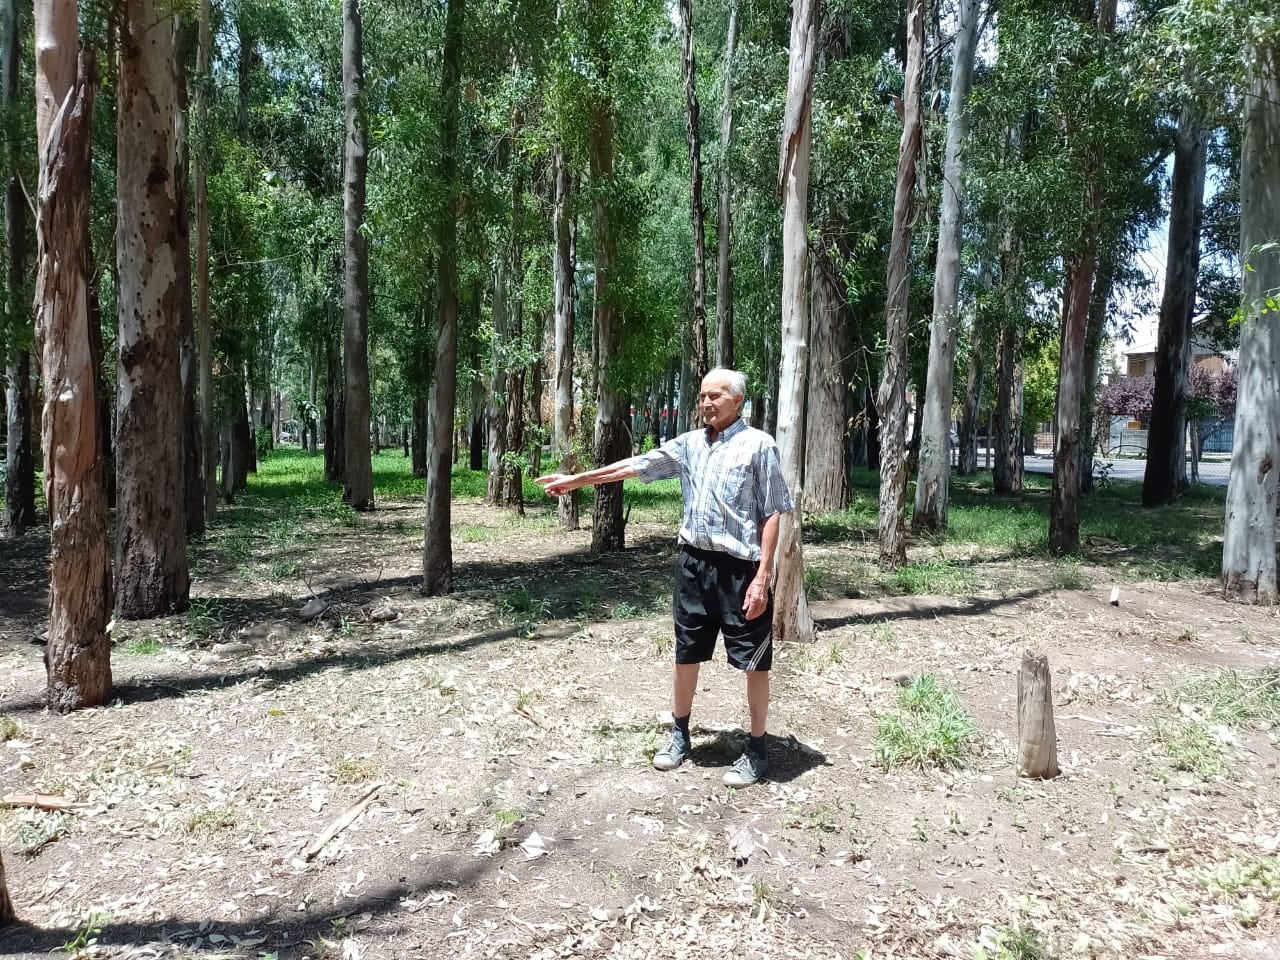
1064, 508
826, 483
1249, 535
357, 489
513, 484
792, 619
693, 127
724, 222
78, 655
612, 441
437, 548
1094, 337
499, 393
151, 557
479, 397
20, 467
562, 438
1005, 476
203, 319
892, 399
192, 471
935, 449
1166, 473
967, 458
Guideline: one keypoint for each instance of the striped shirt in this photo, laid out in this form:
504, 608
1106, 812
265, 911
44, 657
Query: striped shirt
730, 485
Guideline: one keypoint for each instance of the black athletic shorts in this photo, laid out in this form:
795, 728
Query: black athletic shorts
710, 590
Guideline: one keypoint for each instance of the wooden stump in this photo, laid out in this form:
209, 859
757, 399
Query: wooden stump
1037, 736
6, 905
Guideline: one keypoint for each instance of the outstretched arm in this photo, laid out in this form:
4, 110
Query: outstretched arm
558, 484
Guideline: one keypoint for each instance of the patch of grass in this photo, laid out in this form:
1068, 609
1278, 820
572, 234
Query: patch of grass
523, 609
664, 642
211, 820
1191, 747
1012, 943
816, 657
814, 579
1242, 875
352, 770
624, 611
1235, 698
1066, 575
930, 576
9, 728
203, 619
930, 728
142, 647
39, 828
474, 533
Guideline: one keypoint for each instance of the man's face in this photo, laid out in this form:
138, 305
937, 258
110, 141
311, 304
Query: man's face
718, 404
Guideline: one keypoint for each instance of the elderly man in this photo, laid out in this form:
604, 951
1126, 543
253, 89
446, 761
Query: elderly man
733, 495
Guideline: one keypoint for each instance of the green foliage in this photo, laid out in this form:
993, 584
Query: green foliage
930, 728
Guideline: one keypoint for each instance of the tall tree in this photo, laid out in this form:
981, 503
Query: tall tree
724, 222
563, 270
1165, 476
151, 556
437, 550
20, 469
192, 472
935, 451
1080, 265
693, 127
892, 398
612, 442
358, 473
78, 656
203, 317
792, 619
1249, 535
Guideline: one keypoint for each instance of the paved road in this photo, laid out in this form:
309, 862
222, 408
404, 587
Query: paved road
1212, 472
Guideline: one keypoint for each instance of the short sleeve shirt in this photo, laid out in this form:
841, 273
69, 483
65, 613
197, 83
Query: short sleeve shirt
730, 485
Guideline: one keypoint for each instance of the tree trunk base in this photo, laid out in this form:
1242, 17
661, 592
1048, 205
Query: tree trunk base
1037, 735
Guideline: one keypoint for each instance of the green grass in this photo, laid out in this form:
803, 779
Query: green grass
1234, 698
1191, 747
9, 728
1013, 943
142, 647
929, 728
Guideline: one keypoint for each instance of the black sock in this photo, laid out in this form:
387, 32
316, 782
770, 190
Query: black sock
682, 724
757, 745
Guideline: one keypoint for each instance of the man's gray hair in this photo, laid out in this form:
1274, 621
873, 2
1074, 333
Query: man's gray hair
736, 379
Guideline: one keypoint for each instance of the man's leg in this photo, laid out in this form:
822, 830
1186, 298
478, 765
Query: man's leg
757, 700
686, 685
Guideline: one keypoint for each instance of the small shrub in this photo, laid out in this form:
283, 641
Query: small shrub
211, 820
352, 770
9, 728
930, 728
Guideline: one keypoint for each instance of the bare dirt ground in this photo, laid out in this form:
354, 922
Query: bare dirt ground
494, 746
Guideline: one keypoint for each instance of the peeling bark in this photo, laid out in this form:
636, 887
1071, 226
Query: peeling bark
152, 578
78, 656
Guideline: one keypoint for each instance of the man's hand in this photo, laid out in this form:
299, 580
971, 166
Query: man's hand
757, 598
557, 484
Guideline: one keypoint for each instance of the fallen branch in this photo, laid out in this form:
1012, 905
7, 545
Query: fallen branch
348, 817
41, 801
